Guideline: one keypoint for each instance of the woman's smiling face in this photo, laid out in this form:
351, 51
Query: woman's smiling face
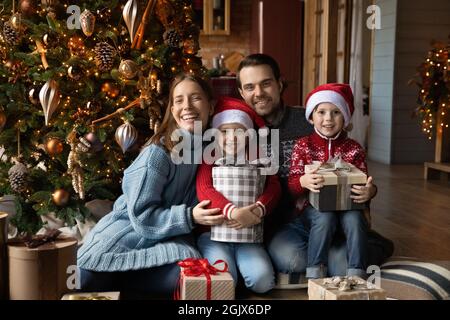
190, 104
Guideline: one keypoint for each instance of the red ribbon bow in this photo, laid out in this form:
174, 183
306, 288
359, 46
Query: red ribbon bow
196, 268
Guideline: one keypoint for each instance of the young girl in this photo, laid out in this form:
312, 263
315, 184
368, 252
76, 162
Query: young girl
329, 108
136, 246
251, 259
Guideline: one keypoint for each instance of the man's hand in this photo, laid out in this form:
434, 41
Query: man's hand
207, 217
312, 181
364, 193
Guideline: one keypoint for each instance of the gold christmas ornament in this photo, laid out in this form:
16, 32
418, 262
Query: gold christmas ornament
60, 197
49, 98
76, 46
128, 69
75, 72
110, 89
27, 7
126, 135
129, 14
33, 95
54, 147
2, 120
16, 21
87, 20
74, 165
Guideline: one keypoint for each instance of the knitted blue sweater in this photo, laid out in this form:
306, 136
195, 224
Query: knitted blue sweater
151, 223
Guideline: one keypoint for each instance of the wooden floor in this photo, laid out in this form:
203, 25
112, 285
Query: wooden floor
410, 211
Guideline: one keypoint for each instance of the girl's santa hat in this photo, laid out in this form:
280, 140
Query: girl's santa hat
231, 110
339, 94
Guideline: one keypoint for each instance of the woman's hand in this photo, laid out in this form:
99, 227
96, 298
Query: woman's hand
244, 217
207, 217
312, 182
364, 193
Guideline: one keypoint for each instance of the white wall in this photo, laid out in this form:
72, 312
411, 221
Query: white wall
418, 22
382, 83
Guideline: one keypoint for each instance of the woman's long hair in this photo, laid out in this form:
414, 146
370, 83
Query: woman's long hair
169, 125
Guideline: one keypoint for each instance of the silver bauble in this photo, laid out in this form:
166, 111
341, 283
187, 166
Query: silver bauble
49, 98
129, 14
126, 136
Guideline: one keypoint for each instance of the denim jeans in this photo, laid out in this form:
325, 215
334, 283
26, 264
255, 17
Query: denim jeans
288, 249
251, 259
160, 281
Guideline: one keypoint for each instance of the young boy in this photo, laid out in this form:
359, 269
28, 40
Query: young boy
329, 108
232, 118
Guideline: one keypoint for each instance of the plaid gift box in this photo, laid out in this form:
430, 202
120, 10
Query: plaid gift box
241, 186
336, 191
344, 288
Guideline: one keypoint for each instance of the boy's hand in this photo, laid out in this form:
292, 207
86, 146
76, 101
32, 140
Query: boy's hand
363, 193
312, 181
245, 216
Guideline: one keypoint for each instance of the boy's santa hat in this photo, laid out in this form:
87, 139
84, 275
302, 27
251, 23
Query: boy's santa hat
231, 110
339, 94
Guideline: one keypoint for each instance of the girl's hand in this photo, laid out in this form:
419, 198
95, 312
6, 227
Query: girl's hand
245, 216
234, 224
364, 193
312, 181
207, 217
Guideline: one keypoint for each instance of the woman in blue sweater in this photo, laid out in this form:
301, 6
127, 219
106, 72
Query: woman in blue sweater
136, 247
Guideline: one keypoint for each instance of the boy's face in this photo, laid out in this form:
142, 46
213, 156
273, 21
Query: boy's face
232, 139
260, 89
327, 119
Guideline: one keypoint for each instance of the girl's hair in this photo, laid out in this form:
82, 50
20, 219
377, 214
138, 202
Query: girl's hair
169, 125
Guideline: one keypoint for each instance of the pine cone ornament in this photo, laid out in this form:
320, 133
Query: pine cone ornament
18, 177
11, 35
104, 56
172, 38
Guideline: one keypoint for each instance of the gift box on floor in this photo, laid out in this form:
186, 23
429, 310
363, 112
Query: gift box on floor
3, 257
201, 281
344, 288
335, 193
92, 296
40, 273
242, 187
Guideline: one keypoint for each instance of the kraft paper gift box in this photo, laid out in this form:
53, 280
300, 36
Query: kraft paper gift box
3, 256
40, 273
241, 185
344, 288
113, 295
336, 190
194, 283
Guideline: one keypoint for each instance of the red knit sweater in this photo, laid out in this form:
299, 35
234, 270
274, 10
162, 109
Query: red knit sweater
206, 191
316, 148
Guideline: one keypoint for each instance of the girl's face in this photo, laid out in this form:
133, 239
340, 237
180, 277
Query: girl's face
190, 104
327, 119
233, 139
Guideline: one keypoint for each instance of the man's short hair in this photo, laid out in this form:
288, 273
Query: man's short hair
257, 59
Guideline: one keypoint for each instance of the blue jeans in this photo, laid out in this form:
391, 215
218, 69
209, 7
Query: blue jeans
288, 249
160, 281
251, 259
322, 228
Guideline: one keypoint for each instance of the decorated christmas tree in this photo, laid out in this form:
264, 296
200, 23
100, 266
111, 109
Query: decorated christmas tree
434, 85
83, 84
